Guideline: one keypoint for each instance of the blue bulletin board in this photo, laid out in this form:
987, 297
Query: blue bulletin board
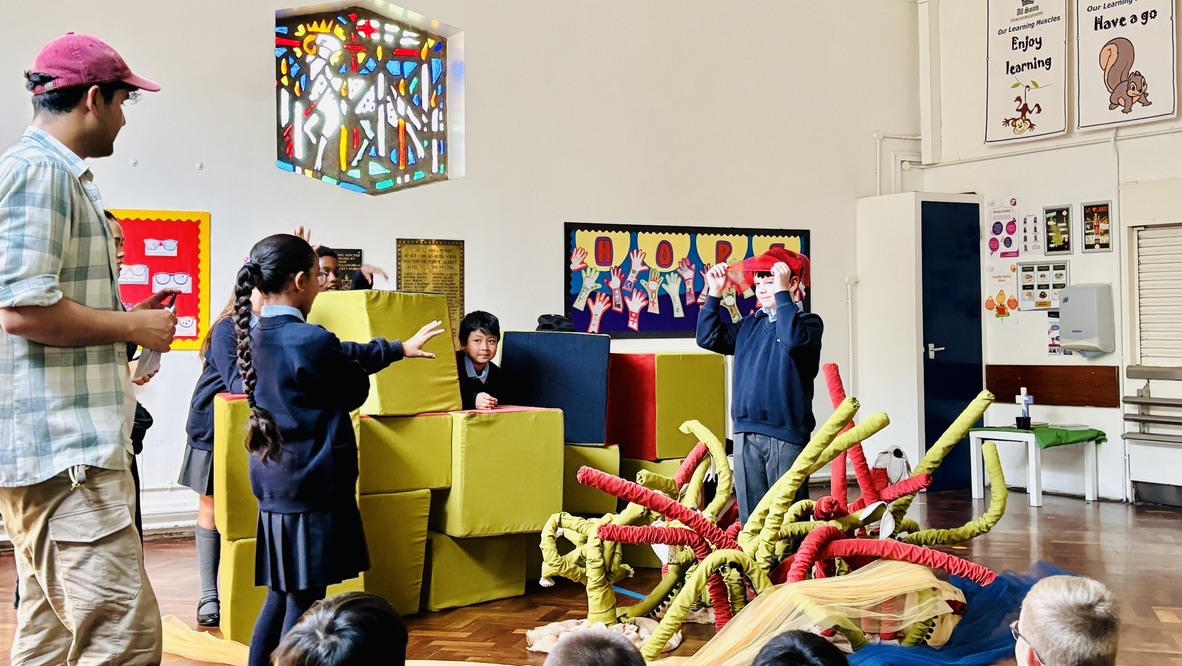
632, 281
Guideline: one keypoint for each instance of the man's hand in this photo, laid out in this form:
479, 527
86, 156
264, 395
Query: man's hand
413, 348
485, 401
156, 301
151, 328
142, 380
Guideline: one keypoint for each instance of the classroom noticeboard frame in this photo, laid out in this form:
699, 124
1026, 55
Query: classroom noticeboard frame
168, 249
598, 255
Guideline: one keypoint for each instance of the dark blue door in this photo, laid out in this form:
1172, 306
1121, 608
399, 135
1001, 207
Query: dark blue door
952, 373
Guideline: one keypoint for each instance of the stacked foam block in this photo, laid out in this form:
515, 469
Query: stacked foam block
649, 397
450, 499
635, 401
567, 371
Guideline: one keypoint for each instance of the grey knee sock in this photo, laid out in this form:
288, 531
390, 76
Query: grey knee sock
209, 549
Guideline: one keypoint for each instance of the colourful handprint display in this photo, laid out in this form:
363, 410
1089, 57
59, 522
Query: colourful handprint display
611, 270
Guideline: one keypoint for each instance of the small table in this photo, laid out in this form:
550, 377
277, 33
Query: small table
1036, 440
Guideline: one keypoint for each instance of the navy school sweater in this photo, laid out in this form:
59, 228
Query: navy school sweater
310, 382
220, 375
470, 387
775, 366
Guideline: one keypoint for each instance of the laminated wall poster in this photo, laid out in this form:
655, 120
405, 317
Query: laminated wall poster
1026, 76
168, 250
1125, 61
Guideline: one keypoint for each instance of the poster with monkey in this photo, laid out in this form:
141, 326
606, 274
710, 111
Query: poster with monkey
1026, 76
1125, 62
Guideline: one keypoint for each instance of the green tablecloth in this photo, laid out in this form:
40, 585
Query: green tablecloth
1047, 436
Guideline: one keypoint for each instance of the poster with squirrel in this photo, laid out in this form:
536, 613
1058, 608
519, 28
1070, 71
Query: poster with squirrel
1026, 79
1125, 64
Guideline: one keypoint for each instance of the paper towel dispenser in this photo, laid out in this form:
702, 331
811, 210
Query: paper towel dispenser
1086, 319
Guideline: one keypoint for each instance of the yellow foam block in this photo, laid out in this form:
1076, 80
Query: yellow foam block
506, 472
401, 453
577, 498
462, 572
651, 395
241, 599
236, 510
396, 533
410, 386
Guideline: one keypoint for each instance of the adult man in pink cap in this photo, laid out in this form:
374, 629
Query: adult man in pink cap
66, 404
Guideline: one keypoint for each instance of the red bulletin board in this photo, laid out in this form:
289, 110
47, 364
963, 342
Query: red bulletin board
168, 249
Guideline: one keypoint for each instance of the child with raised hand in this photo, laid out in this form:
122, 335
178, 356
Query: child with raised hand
301, 384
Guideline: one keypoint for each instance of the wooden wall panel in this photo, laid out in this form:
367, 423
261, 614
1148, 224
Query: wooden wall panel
1068, 385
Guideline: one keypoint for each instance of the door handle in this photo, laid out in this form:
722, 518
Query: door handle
932, 349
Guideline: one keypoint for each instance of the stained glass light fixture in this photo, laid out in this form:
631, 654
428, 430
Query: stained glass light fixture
362, 100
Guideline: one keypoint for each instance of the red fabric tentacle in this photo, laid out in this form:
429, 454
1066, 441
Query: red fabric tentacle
686, 470
632, 492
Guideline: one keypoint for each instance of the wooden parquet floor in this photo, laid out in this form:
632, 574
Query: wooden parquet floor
1134, 550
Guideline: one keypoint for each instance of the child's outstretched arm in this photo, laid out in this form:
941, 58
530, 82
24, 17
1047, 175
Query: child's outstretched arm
713, 333
377, 354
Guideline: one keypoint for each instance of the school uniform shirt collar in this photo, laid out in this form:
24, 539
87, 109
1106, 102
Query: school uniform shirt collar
281, 310
471, 370
771, 316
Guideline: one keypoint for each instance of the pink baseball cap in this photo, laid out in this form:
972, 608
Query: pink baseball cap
81, 60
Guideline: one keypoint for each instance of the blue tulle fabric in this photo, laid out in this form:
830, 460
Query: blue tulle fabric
982, 636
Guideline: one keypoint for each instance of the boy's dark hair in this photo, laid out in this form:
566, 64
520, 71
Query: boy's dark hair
110, 215
595, 647
326, 251
273, 261
479, 320
800, 648
763, 274
351, 629
65, 100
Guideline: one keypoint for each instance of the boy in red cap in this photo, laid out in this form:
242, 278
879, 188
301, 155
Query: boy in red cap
66, 492
777, 355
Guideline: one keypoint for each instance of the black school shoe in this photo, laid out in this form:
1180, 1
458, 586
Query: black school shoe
209, 619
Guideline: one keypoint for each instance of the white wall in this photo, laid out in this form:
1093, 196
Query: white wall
661, 112
1066, 170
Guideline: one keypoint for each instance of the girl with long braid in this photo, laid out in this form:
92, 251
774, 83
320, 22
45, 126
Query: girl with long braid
301, 384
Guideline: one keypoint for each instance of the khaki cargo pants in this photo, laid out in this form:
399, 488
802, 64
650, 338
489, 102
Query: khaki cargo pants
85, 597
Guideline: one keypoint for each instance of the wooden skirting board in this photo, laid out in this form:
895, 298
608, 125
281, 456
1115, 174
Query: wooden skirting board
1066, 385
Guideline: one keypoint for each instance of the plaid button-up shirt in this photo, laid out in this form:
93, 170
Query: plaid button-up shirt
59, 406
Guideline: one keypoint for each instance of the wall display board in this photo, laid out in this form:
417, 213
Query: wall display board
1026, 75
435, 266
1125, 62
167, 249
1039, 284
649, 281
